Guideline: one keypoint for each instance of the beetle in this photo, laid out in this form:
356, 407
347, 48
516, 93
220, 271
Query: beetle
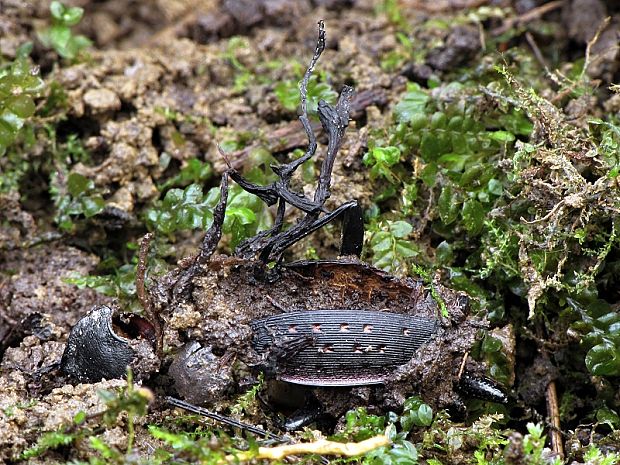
350, 332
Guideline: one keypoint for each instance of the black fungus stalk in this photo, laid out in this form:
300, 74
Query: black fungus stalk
270, 245
183, 285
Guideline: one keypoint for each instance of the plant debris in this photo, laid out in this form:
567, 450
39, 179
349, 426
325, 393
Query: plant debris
481, 149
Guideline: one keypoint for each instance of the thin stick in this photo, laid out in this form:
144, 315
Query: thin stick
141, 270
223, 419
528, 16
462, 367
143, 296
537, 53
591, 42
555, 432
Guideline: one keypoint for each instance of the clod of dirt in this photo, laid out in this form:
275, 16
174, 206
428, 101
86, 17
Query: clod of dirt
22, 419
102, 100
36, 284
535, 379
36, 362
16, 225
461, 45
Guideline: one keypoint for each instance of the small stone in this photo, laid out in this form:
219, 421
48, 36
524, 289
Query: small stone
102, 100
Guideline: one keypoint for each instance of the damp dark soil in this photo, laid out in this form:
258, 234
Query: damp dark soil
169, 81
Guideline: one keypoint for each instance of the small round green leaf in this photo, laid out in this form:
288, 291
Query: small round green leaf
92, 205
57, 9
448, 205
7, 133
604, 359
77, 184
425, 415
21, 105
444, 253
495, 187
502, 136
473, 216
439, 120
72, 16
400, 229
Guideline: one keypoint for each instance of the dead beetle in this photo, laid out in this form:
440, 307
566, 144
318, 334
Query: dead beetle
354, 334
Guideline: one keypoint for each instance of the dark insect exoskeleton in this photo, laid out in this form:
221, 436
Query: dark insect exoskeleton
349, 332
341, 347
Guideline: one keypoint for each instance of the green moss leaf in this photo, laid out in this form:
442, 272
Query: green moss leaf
57, 9
444, 253
400, 229
439, 120
473, 216
429, 147
72, 15
78, 184
413, 103
495, 187
604, 359
448, 204
502, 136
59, 36
6, 135
415, 413
22, 105
92, 205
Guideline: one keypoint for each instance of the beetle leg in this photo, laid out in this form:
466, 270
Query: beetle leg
267, 194
334, 121
224, 419
304, 416
352, 231
270, 194
272, 243
214, 233
482, 387
281, 350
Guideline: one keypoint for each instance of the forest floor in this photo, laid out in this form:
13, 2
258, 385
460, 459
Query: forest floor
483, 147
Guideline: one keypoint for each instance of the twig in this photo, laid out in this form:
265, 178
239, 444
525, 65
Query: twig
528, 16
143, 296
323, 447
462, 367
553, 411
537, 53
591, 42
141, 271
439, 7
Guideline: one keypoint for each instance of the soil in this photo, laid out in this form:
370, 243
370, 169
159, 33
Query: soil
153, 61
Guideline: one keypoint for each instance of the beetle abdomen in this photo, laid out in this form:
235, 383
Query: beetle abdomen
340, 347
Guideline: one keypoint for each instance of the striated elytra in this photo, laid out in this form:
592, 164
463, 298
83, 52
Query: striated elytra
340, 347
